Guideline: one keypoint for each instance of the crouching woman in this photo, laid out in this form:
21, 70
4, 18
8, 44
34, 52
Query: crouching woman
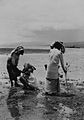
52, 77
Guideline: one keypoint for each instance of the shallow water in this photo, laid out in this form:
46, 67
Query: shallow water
75, 57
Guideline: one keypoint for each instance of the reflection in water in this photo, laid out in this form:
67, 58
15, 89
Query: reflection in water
12, 103
21, 104
36, 106
55, 109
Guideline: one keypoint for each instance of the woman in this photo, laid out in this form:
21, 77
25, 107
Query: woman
12, 64
52, 77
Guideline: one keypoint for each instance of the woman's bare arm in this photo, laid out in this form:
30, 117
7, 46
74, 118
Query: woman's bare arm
62, 62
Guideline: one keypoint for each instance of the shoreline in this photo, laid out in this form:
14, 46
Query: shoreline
31, 50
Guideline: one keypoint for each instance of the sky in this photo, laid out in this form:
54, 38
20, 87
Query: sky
37, 20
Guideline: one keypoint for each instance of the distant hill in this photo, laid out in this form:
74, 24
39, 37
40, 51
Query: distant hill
41, 48
40, 45
74, 45
45, 36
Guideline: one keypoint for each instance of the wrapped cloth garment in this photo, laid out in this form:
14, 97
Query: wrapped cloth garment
52, 86
52, 73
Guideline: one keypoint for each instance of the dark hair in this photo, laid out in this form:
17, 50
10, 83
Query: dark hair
45, 66
57, 45
22, 52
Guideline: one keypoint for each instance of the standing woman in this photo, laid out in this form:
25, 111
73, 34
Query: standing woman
52, 76
12, 63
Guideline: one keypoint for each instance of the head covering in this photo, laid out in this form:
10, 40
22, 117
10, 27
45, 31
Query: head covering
52, 44
59, 45
18, 50
29, 66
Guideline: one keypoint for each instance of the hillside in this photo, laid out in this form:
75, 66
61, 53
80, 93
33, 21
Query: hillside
42, 45
75, 44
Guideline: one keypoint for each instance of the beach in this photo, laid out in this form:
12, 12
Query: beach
15, 105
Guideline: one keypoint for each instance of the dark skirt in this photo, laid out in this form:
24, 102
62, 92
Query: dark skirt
52, 85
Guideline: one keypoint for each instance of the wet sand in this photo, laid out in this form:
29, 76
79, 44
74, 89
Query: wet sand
16, 104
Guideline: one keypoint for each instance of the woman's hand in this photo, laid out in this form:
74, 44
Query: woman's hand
66, 67
65, 70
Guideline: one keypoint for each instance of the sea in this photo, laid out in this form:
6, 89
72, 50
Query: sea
39, 57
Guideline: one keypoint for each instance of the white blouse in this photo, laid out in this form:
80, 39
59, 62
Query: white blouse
52, 70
